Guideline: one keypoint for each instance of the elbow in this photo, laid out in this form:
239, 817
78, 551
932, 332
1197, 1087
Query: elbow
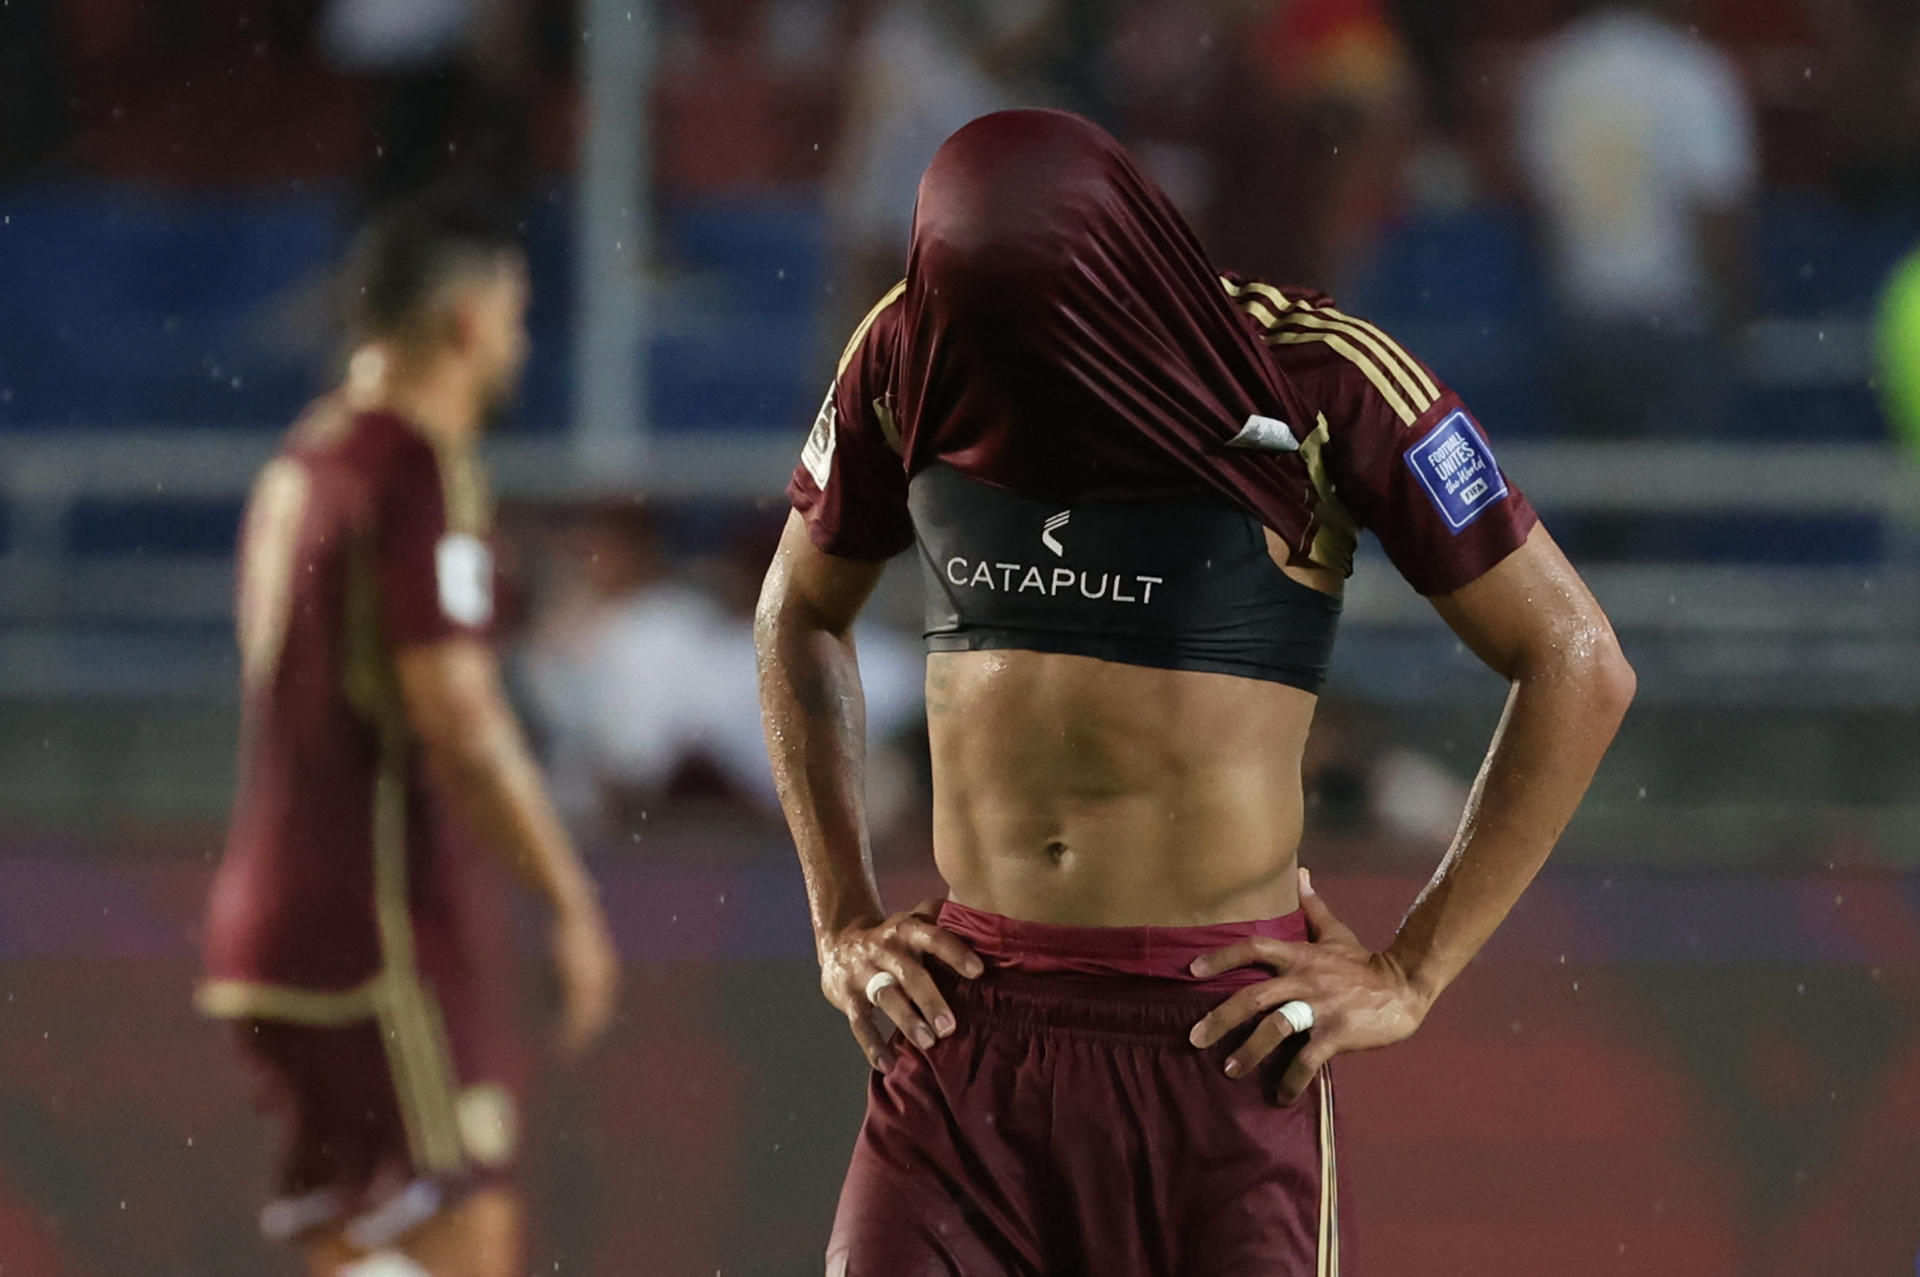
1606, 678
1591, 671
785, 615
1615, 683
457, 749
769, 616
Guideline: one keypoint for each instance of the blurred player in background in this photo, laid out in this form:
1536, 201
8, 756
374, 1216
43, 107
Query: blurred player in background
1136, 486
376, 744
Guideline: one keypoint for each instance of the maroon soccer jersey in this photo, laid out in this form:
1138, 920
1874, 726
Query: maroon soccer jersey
362, 538
1061, 335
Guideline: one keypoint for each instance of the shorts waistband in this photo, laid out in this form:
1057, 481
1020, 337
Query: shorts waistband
1155, 954
1137, 1008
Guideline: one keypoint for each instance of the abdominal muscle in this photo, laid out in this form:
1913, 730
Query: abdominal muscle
1082, 792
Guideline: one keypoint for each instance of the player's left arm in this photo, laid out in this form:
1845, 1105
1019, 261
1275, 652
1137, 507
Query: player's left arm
433, 579
1532, 620
1422, 476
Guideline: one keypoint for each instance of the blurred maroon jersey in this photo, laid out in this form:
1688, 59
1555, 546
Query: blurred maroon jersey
343, 897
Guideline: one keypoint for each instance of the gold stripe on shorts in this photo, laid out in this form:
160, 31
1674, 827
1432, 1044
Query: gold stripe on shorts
423, 1080
1329, 1265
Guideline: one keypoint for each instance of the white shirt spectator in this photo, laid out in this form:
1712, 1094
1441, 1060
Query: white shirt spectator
361, 36
666, 675
1628, 129
916, 80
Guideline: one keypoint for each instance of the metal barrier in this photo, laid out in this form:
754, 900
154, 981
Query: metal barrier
1777, 632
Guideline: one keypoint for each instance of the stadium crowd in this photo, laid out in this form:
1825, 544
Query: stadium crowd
1612, 169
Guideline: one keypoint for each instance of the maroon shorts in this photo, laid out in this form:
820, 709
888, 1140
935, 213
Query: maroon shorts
1069, 1129
383, 1122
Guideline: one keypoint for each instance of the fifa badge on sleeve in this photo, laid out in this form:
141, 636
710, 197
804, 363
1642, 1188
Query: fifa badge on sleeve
1456, 468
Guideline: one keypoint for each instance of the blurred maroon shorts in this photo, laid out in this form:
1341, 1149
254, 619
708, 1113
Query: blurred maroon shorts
382, 1125
1069, 1129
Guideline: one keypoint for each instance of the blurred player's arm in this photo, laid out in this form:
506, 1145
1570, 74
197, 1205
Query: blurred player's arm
477, 757
433, 579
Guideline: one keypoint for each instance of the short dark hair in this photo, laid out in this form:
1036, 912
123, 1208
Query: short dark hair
408, 251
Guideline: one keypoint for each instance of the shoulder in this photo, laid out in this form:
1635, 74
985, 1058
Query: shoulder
362, 446
876, 336
344, 454
403, 471
1341, 362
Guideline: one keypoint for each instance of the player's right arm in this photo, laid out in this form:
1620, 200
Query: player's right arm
433, 580
850, 516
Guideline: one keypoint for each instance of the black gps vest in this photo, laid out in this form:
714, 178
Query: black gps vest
1181, 583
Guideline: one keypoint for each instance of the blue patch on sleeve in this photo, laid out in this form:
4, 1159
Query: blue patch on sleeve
1455, 466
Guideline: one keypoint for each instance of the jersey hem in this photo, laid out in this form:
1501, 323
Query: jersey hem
247, 1000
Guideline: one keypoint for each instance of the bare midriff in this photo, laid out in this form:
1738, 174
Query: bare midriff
1083, 792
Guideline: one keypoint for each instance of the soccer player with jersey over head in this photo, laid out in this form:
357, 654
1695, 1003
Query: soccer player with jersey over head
378, 756
1135, 484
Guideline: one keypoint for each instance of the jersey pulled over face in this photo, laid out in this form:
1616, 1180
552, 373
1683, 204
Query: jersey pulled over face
362, 539
1061, 336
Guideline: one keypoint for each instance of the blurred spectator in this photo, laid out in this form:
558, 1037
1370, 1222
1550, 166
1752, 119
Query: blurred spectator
33, 86
1636, 139
1434, 32
921, 70
1362, 785
1169, 61
1315, 138
449, 81
746, 97
196, 92
1278, 126
1871, 75
644, 684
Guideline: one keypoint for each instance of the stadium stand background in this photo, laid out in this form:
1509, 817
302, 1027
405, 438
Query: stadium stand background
1693, 1051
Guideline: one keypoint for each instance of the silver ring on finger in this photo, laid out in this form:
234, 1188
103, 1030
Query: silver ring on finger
883, 980
1297, 1013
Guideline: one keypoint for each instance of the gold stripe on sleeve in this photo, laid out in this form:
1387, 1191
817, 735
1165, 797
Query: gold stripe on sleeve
1381, 381
1268, 320
1238, 291
1316, 321
1426, 383
889, 427
859, 333
1389, 362
1337, 532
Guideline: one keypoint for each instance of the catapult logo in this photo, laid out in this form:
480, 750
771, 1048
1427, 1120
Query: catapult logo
1053, 524
1057, 582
